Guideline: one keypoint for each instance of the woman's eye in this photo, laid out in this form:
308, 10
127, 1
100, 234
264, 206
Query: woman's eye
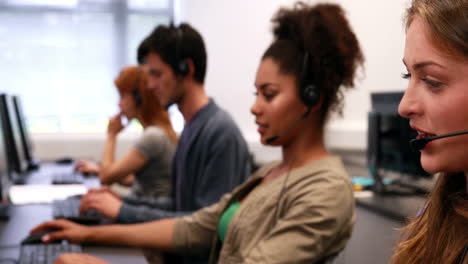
268, 97
431, 83
406, 75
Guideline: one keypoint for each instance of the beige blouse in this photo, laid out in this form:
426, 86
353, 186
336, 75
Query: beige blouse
311, 220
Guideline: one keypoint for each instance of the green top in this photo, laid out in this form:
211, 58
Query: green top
226, 220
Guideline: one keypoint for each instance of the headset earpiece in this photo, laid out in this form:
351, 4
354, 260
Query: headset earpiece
182, 67
135, 93
309, 95
137, 97
309, 92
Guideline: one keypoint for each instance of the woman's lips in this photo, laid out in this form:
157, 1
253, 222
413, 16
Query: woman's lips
424, 135
261, 128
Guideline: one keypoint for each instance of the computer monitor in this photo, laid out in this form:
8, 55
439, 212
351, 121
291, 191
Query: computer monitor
25, 140
5, 180
388, 145
15, 153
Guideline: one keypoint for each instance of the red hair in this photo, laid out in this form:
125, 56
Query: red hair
132, 79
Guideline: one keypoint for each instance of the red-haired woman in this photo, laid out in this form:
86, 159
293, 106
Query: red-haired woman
147, 165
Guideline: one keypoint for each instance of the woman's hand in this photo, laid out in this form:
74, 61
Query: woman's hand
86, 166
73, 258
115, 125
63, 230
128, 181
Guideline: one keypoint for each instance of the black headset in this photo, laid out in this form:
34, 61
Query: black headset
308, 91
179, 65
135, 93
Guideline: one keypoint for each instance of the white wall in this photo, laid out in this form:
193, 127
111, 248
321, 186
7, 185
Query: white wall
237, 32
79, 146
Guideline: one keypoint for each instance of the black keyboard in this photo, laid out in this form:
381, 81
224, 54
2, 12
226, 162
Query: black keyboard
70, 209
67, 178
45, 253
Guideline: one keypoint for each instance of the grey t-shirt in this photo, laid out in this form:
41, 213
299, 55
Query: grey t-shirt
153, 179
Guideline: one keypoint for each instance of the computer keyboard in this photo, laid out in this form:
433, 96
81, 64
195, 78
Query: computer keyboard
45, 253
70, 209
67, 178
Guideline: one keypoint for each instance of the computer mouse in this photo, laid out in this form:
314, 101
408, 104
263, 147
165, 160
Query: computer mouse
36, 238
88, 174
64, 160
76, 196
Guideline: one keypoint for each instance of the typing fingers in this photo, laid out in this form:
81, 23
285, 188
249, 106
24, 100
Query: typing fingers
57, 235
56, 224
68, 231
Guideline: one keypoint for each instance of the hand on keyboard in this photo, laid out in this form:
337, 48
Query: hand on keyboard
35, 237
86, 166
104, 202
66, 230
79, 258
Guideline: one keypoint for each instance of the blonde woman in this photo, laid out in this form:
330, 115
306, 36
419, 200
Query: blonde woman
436, 58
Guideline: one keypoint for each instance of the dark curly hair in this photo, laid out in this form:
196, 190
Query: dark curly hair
323, 32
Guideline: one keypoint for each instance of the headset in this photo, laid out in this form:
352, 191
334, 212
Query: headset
179, 65
420, 143
135, 93
309, 93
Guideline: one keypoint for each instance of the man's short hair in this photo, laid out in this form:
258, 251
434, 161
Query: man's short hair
174, 45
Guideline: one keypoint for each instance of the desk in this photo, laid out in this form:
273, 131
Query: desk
44, 175
395, 207
24, 218
398, 208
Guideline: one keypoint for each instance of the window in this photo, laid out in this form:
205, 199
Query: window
61, 57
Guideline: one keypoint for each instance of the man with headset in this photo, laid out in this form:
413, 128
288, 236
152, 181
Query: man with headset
212, 156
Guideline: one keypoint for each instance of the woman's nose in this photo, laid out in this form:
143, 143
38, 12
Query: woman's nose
409, 105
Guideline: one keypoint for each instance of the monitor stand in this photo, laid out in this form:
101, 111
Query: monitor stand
33, 165
4, 211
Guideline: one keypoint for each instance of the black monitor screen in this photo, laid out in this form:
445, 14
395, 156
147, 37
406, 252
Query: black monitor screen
25, 140
389, 135
4, 172
12, 131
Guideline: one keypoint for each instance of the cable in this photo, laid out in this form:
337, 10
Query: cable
281, 193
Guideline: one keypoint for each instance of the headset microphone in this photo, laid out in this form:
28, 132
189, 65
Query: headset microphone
274, 138
420, 143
